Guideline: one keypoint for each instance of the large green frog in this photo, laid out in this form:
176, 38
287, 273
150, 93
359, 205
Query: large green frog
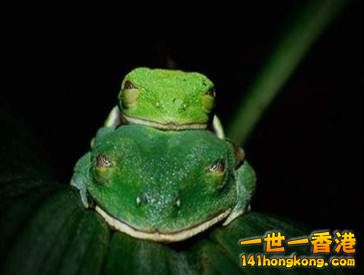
164, 186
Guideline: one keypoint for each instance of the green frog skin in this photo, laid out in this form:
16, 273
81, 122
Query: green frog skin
166, 99
165, 186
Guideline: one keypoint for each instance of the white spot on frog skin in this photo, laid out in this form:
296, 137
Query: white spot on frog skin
138, 201
178, 202
158, 105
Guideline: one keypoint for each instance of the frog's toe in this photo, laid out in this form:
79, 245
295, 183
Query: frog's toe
237, 212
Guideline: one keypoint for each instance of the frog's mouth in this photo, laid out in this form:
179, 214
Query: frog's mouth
158, 236
164, 126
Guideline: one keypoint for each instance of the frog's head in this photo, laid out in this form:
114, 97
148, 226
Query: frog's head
162, 186
167, 99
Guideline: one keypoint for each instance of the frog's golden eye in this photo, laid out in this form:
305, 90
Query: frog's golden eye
211, 92
208, 99
102, 161
128, 85
128, 95
217, 167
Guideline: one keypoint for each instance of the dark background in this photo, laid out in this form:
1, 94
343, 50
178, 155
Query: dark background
62, 74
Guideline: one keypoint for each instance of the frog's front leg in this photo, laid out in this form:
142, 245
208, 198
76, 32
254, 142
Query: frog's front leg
245, 184
80, 177
217, 127
113, 120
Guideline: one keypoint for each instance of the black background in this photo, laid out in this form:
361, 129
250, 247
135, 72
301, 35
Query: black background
62, 74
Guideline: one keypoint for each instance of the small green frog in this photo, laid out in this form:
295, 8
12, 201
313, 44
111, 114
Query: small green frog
166, 99
164, 186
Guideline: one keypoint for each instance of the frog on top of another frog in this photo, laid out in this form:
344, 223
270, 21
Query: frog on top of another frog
167, 100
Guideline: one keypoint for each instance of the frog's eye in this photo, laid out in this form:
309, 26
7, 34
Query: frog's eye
216, 175
211, 92
218, 167
208, 99
128, 95
128, 85
102, 169
102, 161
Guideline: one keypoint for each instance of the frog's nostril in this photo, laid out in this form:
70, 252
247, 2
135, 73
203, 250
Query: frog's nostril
178, 202
138, 200
141, 199
180, 104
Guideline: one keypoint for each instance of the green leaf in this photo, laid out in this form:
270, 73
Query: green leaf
294, 44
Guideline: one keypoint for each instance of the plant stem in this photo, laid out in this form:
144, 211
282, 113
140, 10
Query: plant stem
303, 32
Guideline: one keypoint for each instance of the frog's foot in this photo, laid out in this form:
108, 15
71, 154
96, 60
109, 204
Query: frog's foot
162, 126
92, 143
114, 118
86, 201
217, 127
166, 237
237, 212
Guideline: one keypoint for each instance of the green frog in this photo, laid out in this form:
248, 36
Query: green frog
166, 99
164, 186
